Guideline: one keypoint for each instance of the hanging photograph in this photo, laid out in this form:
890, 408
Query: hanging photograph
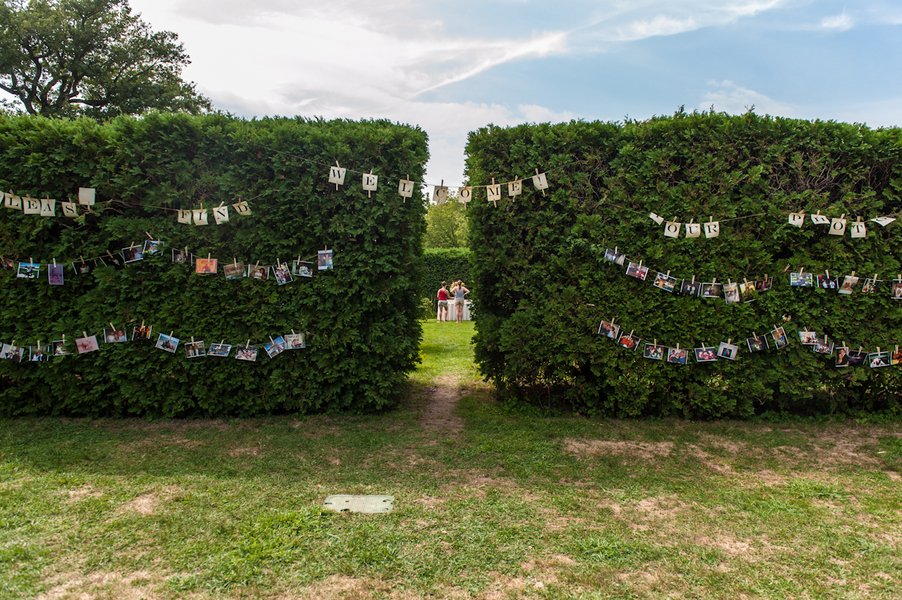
7, 264
58, 348
655, 351
690, 288
111, 260
10, 352
712, 290
757, 344
28, 270
897, 290
55, 274
181, 257
857, 358
825, 282
275, 347
896, 357
82, 268
167, 343
706, 354
206, 266
152, 247
87, 344
132, 254
637, 271
877, 360
823, 345
300, 268
778, 335
628, 341
842, 357
848, 284
763, 285
220, 350
727, 351
749, 291
258, 273
731, 293
801, 279
141, 333
38, 354
281, 273
295, 341
808, 338
869, 286
248, 353
195, 349
234, 270
114, 336
608, 329
324, 260
677, 356
665, 282
615, 256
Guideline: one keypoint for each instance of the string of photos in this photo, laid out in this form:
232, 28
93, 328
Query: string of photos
735, 292
282, 272
776, 339
46, 207
143, 333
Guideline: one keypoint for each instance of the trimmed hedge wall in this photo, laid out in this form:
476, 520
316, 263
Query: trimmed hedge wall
363, 334
443, 264
544, 285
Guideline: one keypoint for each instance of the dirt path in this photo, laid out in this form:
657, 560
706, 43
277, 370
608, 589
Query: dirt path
440, 410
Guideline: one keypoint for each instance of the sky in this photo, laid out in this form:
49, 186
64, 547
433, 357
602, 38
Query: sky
452, 67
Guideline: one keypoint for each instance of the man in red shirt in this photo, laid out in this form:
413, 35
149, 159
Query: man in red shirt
443, 296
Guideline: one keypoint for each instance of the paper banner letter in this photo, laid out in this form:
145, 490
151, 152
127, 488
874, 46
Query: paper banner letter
693, 230
32, 206
337, 175
465, 194
656, 218
70, 209
838, 227
672, 229
200, 216
185, 217
820, 219
86, 196
221, 214
242, 208
883, 221
12, 201
859, 230
712, 229
514, 188
48, 207
440, 194
494, 192
405, 188
370, 182
797, 219
540, 182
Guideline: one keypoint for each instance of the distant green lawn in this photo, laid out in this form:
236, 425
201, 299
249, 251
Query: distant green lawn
510, 506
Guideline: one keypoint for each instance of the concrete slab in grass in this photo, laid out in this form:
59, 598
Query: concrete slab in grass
359, 504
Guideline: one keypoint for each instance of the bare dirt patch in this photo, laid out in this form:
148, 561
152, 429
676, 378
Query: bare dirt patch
709, 460
663, 507
80, 493
139, 585
440, 411
345, 587
149, 503
643, 450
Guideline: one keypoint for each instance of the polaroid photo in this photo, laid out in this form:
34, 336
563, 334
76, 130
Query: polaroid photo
731, 293
58, 348
801, 279
82, 267
808, 338
87, 344
825, 282
324, 260
628, 341
637, 271
727, 351
234, 270
779, 337
608, 329
221, 350
655, 351
275, 347
757, 344
38, 354
665, 282
677, 356
877, 360
132, 254
763, 285
614, 256
896, 357
848, 284
857, 358
712, 290
114, 336
295, 341
897, 290
206, 266
300, 268
152, 247
869, 286
55, 274
167, 343
706, 354
842, 357
141, 333
690, 288
181, 257
258, 273
281, 273
749, 291
195, 349
823, 345
7, 264
28, 270
13, 353
248, 353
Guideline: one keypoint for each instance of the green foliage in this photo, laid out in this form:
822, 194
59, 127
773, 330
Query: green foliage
543, 284
446, 225
91, 57
361, 316
443, 264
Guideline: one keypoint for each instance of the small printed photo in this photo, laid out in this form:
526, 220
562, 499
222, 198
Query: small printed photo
7, 264
897, 290
749, 291
206, 266
801, 279
665, 282
221, 350
13, 353
877, 360
152, 247
82, 268
690, 288
896, 357
195, 349
705, 354
257, 272
111, 260
114, 336
629, 341
677, 356
275, 347
869, 286
28, 270
38, 354
823, 345
87, 344
639, 272
763, 285
608, 329
842, 357
731, 293
132, 254
55, 274
727, 351
282, 274
300, 268
757, 344
857, 358
141, 333
248, 353
614, 256
778, 335
324, 260
234, 270
655, 351
825, 282
180, 257
848, 284
295, 341
712, 290
808, 338
58, 348
167, 343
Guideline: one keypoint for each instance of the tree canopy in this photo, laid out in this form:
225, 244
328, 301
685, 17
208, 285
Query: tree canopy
94, 57
446, 225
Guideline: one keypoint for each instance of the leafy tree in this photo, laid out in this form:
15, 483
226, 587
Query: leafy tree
93, 57
446, 225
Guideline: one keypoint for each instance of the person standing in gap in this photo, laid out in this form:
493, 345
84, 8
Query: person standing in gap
443, 296
459, 291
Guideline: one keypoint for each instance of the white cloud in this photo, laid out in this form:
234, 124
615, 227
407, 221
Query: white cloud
658, 26
727, 96
840, 22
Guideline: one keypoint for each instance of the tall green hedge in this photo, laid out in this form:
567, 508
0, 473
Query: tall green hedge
544, 285
443, 264
360, 317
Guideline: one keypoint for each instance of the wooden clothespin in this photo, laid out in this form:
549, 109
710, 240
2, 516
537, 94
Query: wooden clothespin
150, 237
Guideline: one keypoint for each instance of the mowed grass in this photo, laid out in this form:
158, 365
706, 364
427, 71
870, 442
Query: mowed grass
507, 506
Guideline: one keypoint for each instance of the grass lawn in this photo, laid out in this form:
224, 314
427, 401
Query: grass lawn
489, 503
